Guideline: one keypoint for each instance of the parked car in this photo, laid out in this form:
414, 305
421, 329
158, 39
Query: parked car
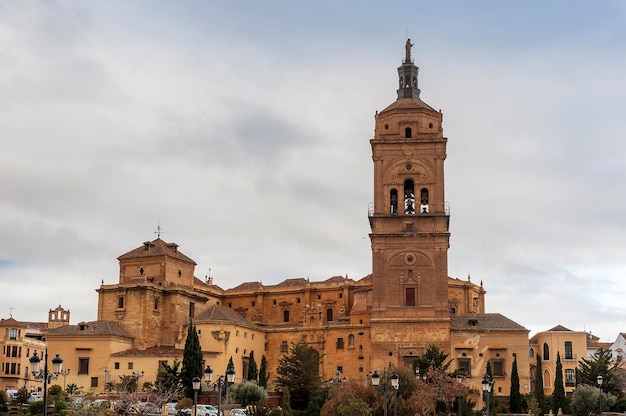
238, 412
203, 410
208, 410
147, 408
171, 409
35, 396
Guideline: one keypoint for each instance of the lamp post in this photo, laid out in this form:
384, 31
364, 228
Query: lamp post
459, 378
64, 373
376, 383
395, 383
230, 379
599, 380
195, 383
208, 376
487, 384
45, 374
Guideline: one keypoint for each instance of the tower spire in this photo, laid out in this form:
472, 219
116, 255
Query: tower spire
407, 75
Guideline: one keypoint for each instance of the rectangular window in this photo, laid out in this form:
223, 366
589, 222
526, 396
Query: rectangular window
14, 368
285, 316
116, 366
570, 377
253, 304
192, 309
497, 367
14, 353
83, 365
409, 296
130, 365
12, 333
94, 381
156, 304
329, 315
464, 365
120, 302
569, 354
284, 346
339, 343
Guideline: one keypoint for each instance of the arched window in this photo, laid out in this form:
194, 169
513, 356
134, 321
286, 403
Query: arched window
531, 353
546, 351
424, 201
408, 133
547, 380
393, 201
409, 197
351, 341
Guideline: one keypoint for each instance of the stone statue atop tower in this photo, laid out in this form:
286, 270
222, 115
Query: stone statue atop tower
408, 47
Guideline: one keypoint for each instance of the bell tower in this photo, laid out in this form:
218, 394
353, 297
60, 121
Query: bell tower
409, 220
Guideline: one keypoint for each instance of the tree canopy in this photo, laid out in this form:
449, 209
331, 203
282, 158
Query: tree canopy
299, 373
601, 363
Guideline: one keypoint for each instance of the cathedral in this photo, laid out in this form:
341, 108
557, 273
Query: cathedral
383, 320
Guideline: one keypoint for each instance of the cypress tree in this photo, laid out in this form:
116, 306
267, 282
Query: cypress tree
192, 360
539, 385
252, 369
515, 396
558, 395
263, 375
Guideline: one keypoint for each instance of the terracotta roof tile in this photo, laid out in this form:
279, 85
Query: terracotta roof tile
162, 351
92, 328
223, 314
155, 248
299, 281
484, 322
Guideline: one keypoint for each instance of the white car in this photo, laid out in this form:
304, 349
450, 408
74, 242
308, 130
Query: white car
203, 410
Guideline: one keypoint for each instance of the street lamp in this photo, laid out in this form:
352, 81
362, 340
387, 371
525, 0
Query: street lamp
64, 373
208, 376
459, 378
487, 384
45, 375
395, 383
376, 383
230, 379
195, 383
599, 380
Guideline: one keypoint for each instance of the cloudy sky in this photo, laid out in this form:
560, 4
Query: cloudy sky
243, 128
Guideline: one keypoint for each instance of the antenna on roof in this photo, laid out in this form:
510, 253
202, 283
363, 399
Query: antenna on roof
11, 312
158, 230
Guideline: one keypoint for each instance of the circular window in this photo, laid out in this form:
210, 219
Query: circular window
408, 166
410, 259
